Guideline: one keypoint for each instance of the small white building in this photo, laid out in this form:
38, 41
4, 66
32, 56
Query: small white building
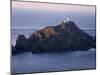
67, 19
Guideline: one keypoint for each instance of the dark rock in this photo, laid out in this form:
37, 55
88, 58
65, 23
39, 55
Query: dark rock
94, 42
94, 39
15, 51
13, 48
22, 44
64, 37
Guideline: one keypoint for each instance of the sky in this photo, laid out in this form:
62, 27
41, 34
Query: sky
33, 13
32, 16
53, 7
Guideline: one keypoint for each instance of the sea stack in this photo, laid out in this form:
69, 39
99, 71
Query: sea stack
22, 44
63, 37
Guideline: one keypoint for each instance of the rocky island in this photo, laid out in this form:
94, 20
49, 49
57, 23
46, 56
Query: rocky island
63, 37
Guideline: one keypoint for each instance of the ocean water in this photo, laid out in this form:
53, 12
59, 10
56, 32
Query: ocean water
26, 22
46, 62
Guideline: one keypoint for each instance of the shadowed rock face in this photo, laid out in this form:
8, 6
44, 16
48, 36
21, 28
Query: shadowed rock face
94, 44
22, 44
64, 37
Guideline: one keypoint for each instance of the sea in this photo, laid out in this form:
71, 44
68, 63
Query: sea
26, 22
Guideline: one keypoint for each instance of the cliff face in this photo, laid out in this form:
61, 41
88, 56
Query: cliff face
22, 42
64, 37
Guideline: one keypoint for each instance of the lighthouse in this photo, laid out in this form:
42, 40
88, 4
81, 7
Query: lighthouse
67, 19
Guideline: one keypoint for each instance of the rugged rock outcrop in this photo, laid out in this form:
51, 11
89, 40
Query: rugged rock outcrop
63, 37
22, 42
22, 45
14, 50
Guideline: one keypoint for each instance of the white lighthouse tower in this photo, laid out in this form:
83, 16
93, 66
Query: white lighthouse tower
67, 19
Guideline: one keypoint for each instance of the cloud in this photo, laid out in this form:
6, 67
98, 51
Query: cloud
51, 7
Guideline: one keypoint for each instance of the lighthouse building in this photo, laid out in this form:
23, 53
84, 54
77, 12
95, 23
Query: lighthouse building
67, 19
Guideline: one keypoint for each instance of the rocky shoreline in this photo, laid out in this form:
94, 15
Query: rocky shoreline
63, 37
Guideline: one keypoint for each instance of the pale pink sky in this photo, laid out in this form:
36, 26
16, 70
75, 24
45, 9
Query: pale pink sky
54, 7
